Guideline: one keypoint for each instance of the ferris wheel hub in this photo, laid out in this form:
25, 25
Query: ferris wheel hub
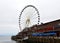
27, 22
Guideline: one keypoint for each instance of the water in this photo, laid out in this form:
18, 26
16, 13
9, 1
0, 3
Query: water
6, 39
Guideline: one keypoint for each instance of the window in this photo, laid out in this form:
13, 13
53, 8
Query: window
57, 26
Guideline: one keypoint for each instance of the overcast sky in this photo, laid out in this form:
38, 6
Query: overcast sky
10, 9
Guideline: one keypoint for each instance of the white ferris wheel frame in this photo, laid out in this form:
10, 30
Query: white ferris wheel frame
23, 11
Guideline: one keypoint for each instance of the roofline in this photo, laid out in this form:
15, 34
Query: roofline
49, 22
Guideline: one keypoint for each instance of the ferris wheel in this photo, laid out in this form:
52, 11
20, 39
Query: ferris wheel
29, 16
